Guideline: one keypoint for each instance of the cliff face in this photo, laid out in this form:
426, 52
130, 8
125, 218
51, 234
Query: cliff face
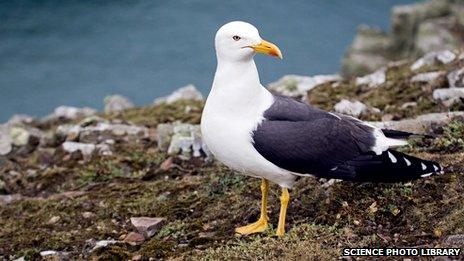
416, 29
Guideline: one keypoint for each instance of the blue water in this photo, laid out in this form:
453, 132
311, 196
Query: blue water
77, 52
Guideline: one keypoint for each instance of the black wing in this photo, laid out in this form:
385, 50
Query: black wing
306, 140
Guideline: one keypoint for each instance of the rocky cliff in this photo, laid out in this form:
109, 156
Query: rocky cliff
416, 29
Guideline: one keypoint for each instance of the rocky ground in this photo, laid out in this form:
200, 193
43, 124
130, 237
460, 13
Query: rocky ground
138, 183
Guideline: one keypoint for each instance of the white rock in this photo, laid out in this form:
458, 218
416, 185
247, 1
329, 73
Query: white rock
19, 135
448, 93
104, 149
116, 128
6, 141
19, 119
183, 139
446, 56
427, 77
297, 85
408, 105
119, 129
48, 253
456, 78
85, 148
439, 57
70, 113
355, 108
188, 92
104, 243
116, 102
20, 259
186, 140
374, 79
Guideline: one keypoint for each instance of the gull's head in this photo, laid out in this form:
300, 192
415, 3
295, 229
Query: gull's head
238, 41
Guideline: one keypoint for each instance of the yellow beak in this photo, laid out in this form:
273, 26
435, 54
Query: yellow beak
267, 48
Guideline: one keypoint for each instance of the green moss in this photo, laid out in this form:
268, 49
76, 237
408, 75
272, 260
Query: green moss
157, 248
185, 111
291, 86
112, 252
451, 140
307, 240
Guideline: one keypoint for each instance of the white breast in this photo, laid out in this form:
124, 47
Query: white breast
227, 131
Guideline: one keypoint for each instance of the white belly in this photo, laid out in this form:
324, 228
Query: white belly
229, 139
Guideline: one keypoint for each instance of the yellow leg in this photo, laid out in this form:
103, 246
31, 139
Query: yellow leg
261, 224
283, 212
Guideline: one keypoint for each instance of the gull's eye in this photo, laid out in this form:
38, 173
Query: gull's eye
236, 37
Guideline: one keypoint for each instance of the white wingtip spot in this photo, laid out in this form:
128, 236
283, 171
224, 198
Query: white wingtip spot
435, 167
335, 115
408, 163
392, 158
335, 168
426, 175
423, 166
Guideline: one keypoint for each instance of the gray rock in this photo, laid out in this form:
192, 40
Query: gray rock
437, 35
406, 18
427, 77
8, 199
353, 108
454, 240
116, 102
298, 86
421, 124
164, 133
355, 64
147, 226
456, 78
188, 92
365, 54
374, 79
434, 58
461, 57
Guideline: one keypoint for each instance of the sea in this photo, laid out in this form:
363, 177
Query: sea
75, 53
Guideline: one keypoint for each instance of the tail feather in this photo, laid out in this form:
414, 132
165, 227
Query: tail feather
396, 134
390, 166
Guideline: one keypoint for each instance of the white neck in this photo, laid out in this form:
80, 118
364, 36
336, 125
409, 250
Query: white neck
236, 87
